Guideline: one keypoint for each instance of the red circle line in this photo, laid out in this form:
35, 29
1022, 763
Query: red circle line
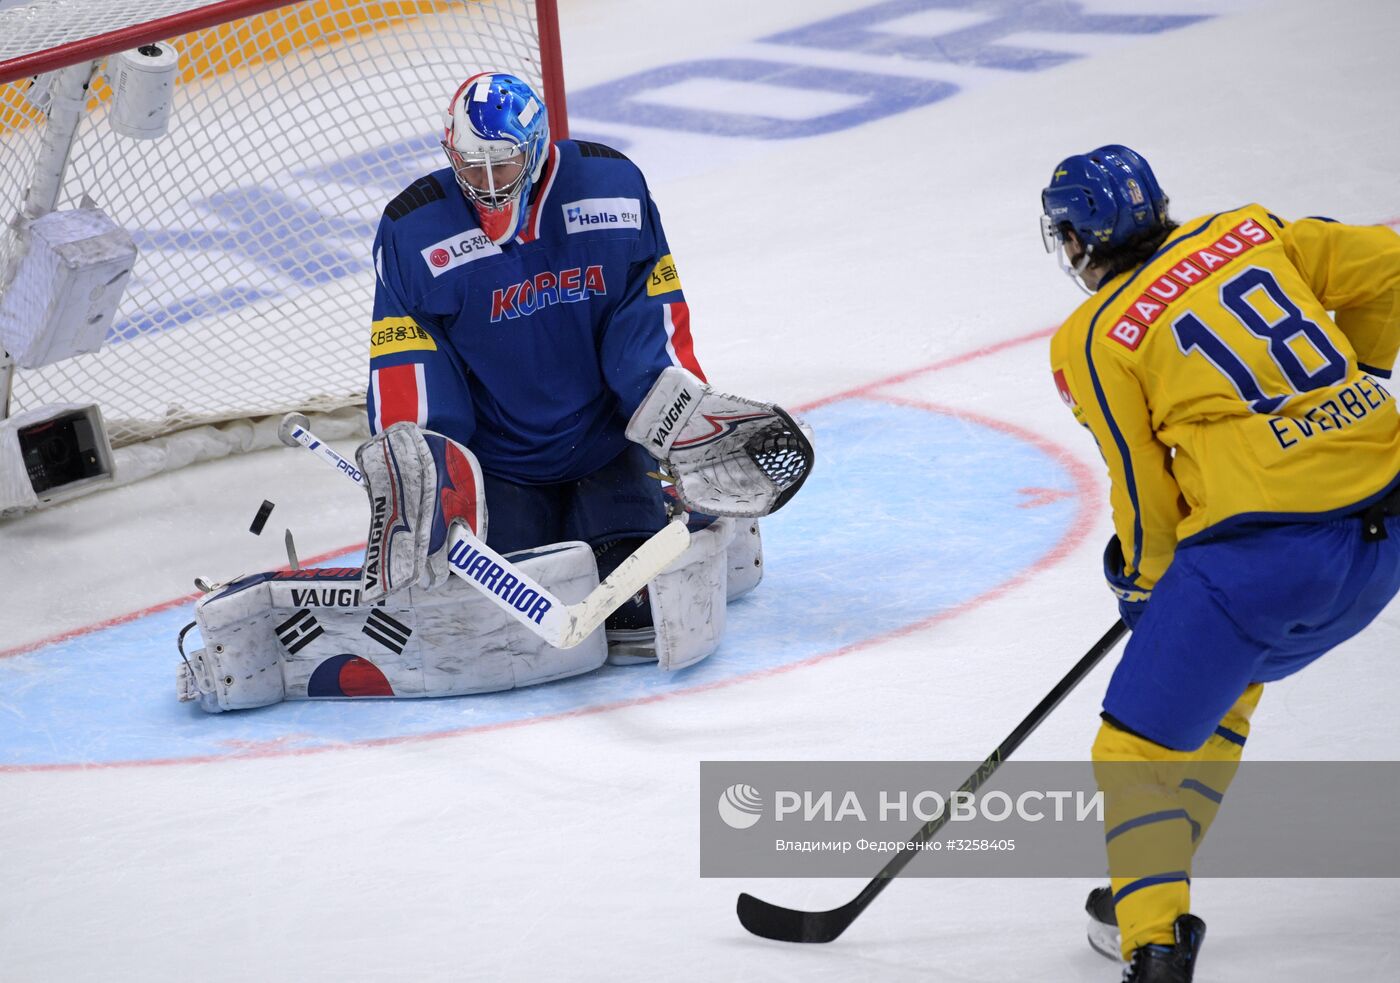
1085, 494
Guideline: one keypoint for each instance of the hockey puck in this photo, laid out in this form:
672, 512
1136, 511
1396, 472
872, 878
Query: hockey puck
260, 519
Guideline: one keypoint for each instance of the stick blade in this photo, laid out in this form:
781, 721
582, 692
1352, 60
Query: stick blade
290, 424
770, 921
631, 575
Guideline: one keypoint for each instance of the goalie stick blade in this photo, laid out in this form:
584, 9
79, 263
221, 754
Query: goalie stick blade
290, 423
770, 921
631, 575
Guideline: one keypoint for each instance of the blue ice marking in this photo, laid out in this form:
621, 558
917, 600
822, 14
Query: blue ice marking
981, 43
980, 39
624, 101
908, 514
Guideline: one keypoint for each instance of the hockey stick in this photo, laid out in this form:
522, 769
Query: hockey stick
561, 625
790, 925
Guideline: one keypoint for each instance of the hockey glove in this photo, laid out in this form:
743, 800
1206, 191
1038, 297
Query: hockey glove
726, 455
420, 484
1132, 599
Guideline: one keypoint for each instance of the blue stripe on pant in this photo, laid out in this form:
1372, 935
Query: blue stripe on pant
1174, 877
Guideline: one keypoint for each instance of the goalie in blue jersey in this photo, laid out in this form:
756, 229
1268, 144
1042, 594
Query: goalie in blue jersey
530, 360
528, 309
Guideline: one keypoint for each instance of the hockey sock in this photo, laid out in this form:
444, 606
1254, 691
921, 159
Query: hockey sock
1158, 805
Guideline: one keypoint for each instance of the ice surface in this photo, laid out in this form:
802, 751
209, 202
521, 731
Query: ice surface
888, 277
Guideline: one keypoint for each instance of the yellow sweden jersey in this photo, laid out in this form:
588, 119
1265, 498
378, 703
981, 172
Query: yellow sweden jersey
1221, 391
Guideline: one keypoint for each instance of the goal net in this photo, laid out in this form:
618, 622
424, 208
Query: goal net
293, 124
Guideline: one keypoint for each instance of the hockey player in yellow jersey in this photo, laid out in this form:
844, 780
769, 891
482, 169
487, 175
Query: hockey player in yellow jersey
1253, 451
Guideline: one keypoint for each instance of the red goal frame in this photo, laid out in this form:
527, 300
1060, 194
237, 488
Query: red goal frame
213, 14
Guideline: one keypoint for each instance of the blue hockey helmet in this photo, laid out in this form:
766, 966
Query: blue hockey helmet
496, 136
1107, 196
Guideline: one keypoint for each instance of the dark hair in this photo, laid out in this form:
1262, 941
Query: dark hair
1133, 253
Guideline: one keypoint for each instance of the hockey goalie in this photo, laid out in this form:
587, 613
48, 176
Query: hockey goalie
537, 416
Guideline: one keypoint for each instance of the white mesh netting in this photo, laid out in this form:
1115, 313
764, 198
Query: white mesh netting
31, 26
254, 216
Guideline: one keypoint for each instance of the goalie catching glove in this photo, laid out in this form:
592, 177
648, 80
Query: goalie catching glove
420, 484
726, 455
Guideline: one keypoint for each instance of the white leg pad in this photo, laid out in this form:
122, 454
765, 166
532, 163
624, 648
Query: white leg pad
689, 629
306, 635
745, 559
688, 598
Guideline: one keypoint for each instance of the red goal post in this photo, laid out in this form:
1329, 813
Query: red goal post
293, 124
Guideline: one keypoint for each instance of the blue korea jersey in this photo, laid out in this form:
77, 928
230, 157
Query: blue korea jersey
534, 353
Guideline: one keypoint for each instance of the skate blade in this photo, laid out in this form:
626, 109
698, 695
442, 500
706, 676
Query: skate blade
1105, 940
629, 659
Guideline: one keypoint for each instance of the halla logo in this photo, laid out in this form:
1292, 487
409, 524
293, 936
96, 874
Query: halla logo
577, 216
588, 214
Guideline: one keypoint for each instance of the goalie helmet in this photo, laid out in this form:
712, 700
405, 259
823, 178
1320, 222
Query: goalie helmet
1108, 196
496, 136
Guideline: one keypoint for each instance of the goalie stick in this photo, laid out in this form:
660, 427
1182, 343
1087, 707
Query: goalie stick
781, 924
561, 625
